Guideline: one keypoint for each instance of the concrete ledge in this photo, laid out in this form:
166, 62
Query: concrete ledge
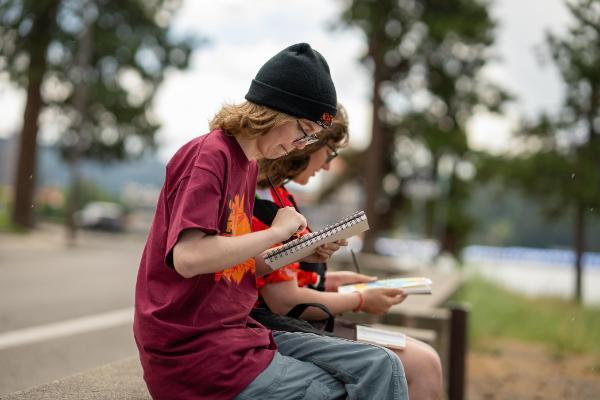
118, 380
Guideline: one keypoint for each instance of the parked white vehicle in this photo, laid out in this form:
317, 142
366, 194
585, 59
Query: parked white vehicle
102, 215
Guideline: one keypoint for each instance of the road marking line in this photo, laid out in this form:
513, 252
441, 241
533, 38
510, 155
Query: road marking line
65, 328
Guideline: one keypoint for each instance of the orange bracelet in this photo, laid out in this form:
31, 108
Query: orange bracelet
360, 302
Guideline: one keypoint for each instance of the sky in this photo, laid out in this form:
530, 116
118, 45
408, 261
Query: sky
243, 35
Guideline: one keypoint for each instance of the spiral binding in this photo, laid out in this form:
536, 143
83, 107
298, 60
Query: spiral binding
313, 237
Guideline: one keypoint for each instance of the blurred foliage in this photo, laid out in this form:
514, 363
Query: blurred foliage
509, 217
92, 67
4, 209
88, 192
5, 206
92, 192
130, 53
425, 56
497, 312
559, 160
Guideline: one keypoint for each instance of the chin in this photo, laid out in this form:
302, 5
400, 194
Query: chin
274, 156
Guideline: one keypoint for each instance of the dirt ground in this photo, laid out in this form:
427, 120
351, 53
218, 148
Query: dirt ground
501, 369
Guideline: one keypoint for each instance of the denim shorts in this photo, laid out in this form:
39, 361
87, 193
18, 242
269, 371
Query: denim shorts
309, 366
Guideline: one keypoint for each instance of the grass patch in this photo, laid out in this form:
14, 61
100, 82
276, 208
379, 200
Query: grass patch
6, 224
565, 326
4, 219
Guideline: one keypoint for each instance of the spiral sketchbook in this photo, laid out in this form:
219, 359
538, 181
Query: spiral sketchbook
304, 246
410, 285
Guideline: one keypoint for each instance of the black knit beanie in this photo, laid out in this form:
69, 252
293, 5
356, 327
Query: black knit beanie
296, 81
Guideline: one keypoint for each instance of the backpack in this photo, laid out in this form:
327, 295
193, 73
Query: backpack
291, 322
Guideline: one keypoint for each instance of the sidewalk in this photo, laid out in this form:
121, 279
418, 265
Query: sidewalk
47, 286
119, 380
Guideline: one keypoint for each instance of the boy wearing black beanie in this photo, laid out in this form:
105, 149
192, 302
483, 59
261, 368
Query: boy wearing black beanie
196, 283
297, 82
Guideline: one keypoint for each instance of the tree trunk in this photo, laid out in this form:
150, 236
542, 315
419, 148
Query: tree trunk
26, 163
432, 207
579, 249
374, 160
22, 214
449, 240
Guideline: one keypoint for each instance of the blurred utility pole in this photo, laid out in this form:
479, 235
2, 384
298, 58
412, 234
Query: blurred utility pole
375, 153
444, 183
80, 100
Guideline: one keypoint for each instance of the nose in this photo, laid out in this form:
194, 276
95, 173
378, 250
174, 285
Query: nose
326, 166
299, 146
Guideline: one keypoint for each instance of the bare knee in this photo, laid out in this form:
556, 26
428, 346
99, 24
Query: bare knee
423, 369
433, 365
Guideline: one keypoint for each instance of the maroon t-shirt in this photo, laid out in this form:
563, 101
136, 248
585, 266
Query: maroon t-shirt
195, 337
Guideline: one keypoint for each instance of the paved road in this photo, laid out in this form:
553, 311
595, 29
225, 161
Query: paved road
64, 309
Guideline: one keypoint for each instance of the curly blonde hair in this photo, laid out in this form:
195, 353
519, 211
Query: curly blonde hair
283, 169
248, 119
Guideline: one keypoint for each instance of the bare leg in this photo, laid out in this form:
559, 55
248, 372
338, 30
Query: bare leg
423, 370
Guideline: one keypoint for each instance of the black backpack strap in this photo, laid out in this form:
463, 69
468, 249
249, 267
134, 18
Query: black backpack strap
298, 309
265, 211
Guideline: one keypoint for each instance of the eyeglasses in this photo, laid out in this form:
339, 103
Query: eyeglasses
331, 154
306, 139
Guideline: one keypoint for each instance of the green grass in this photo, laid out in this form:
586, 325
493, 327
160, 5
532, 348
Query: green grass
4, 218
497, 312
5, 223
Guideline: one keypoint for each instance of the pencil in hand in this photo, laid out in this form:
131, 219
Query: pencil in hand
295, 235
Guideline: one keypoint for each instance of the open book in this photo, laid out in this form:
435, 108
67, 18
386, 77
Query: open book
299, 248
386, 338
410, 285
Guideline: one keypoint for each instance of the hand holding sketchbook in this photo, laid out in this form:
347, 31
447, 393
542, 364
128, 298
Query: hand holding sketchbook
387, 338
410, 285
304, 246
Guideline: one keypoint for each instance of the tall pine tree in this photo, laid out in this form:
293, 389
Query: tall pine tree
560, 162
100, 96
425, 57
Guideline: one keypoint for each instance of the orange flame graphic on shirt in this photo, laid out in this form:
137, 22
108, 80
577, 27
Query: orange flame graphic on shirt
238, 224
